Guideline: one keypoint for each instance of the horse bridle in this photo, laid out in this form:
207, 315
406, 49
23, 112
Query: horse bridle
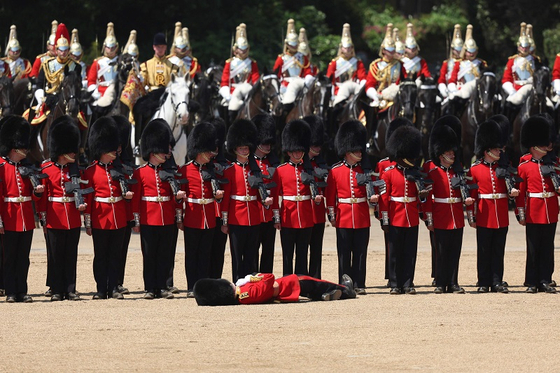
408, 101
269, 98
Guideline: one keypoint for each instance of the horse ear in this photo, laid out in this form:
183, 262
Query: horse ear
172, 77
66, 70
78, 69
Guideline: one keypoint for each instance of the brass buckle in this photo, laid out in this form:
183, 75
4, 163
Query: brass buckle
203, 201
112, 199
65, 199
159, 198
353, 200
20, 199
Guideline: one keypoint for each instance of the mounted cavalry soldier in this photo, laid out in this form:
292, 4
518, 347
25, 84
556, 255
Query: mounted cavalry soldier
157, 71
181, 53
303, 48
239, 75
51, 51
292, 68
103, 70
415, 67
448, 65
76, 53
399, 45
20, 67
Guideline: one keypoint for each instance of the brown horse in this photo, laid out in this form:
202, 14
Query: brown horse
263, 98
311, 100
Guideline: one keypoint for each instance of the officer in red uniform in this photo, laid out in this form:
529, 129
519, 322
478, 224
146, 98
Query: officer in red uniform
303, 48
414, 66
449, 64
296, 211
265, 159
103, 70
444, 209
157, 210
181, 53
16, 210
399, 208
265, 288
20, 67
105, 217
489, 214
347, 204
57, 209
537, 206
51, 51
199, 219
240, 208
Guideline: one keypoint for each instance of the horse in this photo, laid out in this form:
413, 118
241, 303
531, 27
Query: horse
205, 93
263, 98
6, 96
311, 100
22, 95
427, 111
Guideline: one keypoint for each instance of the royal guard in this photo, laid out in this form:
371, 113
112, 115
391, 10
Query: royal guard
533, 46
20, 67
346, 71
199, 219
157, 210
105, 217
51, 52
16, 210
384, 73
347, 203
76, 53
489, 214
537, 205
415, 67
448, 65
292, 68
103, 70
444, 209
267, 161
399, 45
303, 48
181, 53
239, 74
240, 210
58, 210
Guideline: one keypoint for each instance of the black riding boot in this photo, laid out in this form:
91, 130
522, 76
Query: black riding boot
232, 115
287, 108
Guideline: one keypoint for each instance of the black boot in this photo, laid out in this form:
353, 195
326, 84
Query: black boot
348, 292
232, 115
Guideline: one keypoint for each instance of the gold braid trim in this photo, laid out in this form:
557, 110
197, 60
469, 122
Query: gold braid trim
54, 78
383, 76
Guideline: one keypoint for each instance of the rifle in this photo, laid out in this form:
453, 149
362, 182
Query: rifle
548, 169
310, 173
33, 173
256, 180
73, 186
122, 173
460, 181
210, 175
365, 179
419, 179
509, 174
169, 173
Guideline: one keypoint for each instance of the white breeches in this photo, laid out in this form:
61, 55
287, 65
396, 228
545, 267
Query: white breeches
520, 96
294, 86
239, 95
466, 90
345, 90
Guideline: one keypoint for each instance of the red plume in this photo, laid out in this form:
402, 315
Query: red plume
61, 31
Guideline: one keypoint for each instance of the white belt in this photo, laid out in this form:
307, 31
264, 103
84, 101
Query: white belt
296, 198
157, 199
492, 196
62, 199
520, 82
105, 83
448, 200
17, 199
352, 200
403, 199
108, 199
244, 198
542, 195
201, 201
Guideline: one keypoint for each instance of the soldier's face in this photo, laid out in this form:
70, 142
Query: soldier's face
241, 53
456, 53
494, 154
181, 52
471, 55
265, 148
447, 158
347, 51
291, 49
51, 49
111, 51
314, 151
389, 55
410, 53
62, 54
160, 50
14, 55
523, 50
296, 157
242, 151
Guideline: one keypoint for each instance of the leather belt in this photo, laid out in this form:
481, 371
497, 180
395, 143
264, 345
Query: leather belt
352, 200
403, 199
17, 199
108, 199
243, 198
62, 199
542, 195
296, 198
156, 199
448, 200
201, 201
492, 196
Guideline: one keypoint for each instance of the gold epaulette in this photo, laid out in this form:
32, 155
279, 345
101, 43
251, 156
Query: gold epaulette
512, 57
229, 59
41, 55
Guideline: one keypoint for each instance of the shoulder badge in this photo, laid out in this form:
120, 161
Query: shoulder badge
244, 295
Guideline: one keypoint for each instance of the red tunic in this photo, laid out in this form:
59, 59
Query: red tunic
5, 69
383, 164
423, 72
200, 208
538, 210
104, 215
17, 216
446, 215
556, 68
37, 64
240, 212
156, 211
263, 291
394, 199
358, 74
342, 184
252, 78
264, 164
490, 212
296, 210
509, 74
305, 69
443, 72
319, 210
371, 80
59, 215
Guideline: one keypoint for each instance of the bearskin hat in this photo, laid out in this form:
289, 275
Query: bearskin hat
317, 129
214, 292
242, 132
442, 139
451, 121
201, 139
406, 142
14, 134
396, 123
156, 138
103, 137
351, 137
220, 128
296, 136
504, 125
63, 137
535, 132
124, 126
266, 129
488, 136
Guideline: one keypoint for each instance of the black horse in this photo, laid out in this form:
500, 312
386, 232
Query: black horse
428, 111
6, 96
205, 96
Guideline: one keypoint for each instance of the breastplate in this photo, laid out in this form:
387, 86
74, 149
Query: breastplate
349, 73
295, 62
106, 72
242, 75
523, 68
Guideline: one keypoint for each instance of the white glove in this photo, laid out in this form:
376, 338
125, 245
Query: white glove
84, 84
452, 88
92, 88
225, 93
96, 95
556, 86
508, 88
362, 83
39, 96
308, 79
372, 93
442, 89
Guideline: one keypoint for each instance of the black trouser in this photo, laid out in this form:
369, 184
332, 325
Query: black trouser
402, 243
491, 246
540, 253
295, 240
197, 254
124, 251
314, 288
449, 243
244, 246
433, 247
1, 264
107, 244
217, 251
385, 240
48, 281
316, 250
351, 247
175, 234
267, 236
17, 246
64, 257
158, 252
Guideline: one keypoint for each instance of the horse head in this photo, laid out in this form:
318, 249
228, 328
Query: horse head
178, 91
270, 90
321, 95
6, 95
541, 82
407, 96
487, 94
70, 93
